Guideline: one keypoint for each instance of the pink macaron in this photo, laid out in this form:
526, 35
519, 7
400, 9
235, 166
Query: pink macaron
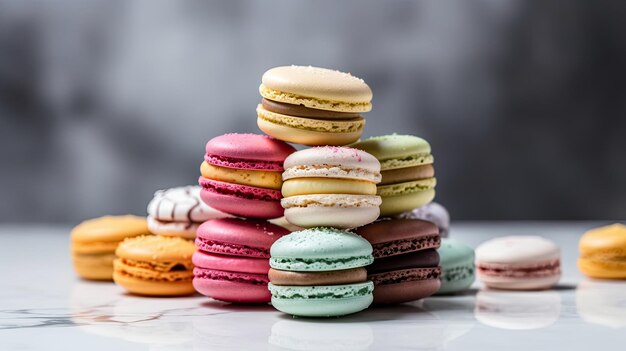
241, 174
232, 260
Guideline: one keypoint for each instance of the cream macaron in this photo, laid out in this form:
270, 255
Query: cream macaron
313, 106
331, 186
179, 211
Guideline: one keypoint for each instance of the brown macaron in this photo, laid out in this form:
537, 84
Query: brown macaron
406, 262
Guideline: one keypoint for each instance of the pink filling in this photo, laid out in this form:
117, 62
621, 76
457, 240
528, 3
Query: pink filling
537, 270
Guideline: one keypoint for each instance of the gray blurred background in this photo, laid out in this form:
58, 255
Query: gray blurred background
103, 102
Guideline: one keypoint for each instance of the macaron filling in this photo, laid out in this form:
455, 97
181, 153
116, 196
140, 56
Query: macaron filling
303, 111
542, 269
351, 125
343, 276
261, 179
305, 186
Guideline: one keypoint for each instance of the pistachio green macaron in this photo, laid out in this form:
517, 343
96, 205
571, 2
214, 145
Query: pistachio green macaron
319, 272
408, 176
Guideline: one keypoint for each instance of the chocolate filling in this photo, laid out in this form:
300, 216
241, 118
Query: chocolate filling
302, 111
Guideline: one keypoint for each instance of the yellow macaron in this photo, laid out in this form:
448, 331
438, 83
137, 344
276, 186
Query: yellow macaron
155, 265
603, 252
313, 106
93, 243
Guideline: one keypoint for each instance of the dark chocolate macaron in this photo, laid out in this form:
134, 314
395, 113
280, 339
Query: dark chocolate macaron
406, 263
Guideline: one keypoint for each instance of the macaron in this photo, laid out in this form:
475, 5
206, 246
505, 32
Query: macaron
179, 211
518, 263
241, 175
457, 266
312, 106
406, 263
232, 260
603, 252
331, 186
432, 212
93, 243
319, 272
155, 265
408, 177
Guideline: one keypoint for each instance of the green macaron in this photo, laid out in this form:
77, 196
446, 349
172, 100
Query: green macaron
319, 272
457, 266
408, 180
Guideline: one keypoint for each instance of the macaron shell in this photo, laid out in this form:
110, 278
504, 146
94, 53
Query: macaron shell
181, 204
154, 288
319, 244
242, 150
602, 269
331, 216
241, 237
389, 230
323, 307
517, 250
322, 301
338, 126
318, 83
241, 200
109, 229
232, 291
405, 291
518, 283
156, 248
305, 137
94, 266
231, 263
432, 212
393, 146
323, 158
456, 279
181, 229
395, 205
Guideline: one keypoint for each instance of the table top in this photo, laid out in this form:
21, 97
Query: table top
44, 306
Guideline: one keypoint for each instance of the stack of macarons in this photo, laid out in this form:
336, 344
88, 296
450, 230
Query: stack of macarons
232, 260
406, 263
408, 177
242, 176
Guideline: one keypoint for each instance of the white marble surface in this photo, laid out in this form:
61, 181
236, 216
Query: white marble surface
43, 306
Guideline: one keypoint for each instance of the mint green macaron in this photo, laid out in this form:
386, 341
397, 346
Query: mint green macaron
322, 255
457, 266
